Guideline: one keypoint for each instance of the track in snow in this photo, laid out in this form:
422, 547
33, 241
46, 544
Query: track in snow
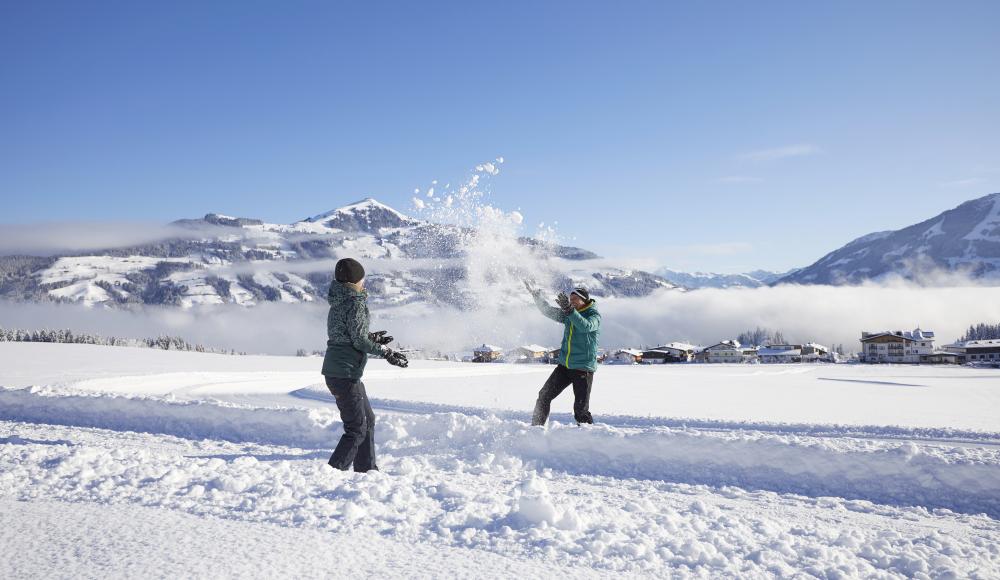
932, 476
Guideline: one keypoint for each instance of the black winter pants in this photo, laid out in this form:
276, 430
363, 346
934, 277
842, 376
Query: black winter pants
561, 378
357, 446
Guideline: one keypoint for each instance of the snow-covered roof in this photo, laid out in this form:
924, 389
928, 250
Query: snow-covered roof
488, 348
918, 334
678, 346
979, 343
631, 351
768, 351
535, 348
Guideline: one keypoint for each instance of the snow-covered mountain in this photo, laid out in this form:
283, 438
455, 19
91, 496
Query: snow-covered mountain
965, 239
223, 259
696, 280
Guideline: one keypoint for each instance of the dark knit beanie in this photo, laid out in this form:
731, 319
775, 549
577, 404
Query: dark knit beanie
349, 270
582, 293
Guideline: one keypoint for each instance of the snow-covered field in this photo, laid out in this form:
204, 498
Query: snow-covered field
118, 461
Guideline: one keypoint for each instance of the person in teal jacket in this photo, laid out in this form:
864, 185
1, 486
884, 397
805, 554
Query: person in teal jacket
577, 355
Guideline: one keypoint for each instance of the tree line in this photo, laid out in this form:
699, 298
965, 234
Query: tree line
67, 336
981, 331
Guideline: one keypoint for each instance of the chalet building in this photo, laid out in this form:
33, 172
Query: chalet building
627, 356
780, 353
976, 351
812, 352
673, 352
896, 346
655, 356
942, 357
487, 353
729, 351
793, 353
529, 353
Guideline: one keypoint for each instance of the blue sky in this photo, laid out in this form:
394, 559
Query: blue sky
720, 136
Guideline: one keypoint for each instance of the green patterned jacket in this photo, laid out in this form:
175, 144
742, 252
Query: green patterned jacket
347, 345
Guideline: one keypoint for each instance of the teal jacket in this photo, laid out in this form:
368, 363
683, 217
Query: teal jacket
347, 345
581, 330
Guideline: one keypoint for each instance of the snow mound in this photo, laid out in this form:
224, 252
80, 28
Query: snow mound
180, 418
909, 474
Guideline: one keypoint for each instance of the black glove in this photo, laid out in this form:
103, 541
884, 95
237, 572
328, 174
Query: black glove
563, 301
396, 359
379, 337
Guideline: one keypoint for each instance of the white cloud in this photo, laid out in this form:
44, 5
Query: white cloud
775, 154
268, 328
825, 314
46, 239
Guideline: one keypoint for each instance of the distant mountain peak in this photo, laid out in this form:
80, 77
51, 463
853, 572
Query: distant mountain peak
964, 239
696, 280
364, 206
368, 215
231, 221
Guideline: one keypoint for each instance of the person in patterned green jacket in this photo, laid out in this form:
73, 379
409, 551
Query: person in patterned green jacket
347, 348
577, 356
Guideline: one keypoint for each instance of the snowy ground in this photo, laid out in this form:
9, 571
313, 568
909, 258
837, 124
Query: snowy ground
140, 462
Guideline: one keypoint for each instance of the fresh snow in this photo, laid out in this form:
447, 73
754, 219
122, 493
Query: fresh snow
117, 461
988, 229
75, 277
364, 205
87, 540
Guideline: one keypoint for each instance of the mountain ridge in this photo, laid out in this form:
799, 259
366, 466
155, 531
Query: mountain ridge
222, 259
963, 240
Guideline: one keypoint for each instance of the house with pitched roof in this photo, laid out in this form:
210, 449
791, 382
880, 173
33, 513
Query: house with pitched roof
487, 353
728, 351
896, 346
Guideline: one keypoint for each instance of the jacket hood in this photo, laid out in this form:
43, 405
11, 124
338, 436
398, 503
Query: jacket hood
341, 293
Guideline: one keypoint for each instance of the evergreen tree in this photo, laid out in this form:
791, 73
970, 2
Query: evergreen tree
981, 331
760, 337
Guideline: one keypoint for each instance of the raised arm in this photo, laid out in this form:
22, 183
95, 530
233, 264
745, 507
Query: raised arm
584, 323
547, 309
